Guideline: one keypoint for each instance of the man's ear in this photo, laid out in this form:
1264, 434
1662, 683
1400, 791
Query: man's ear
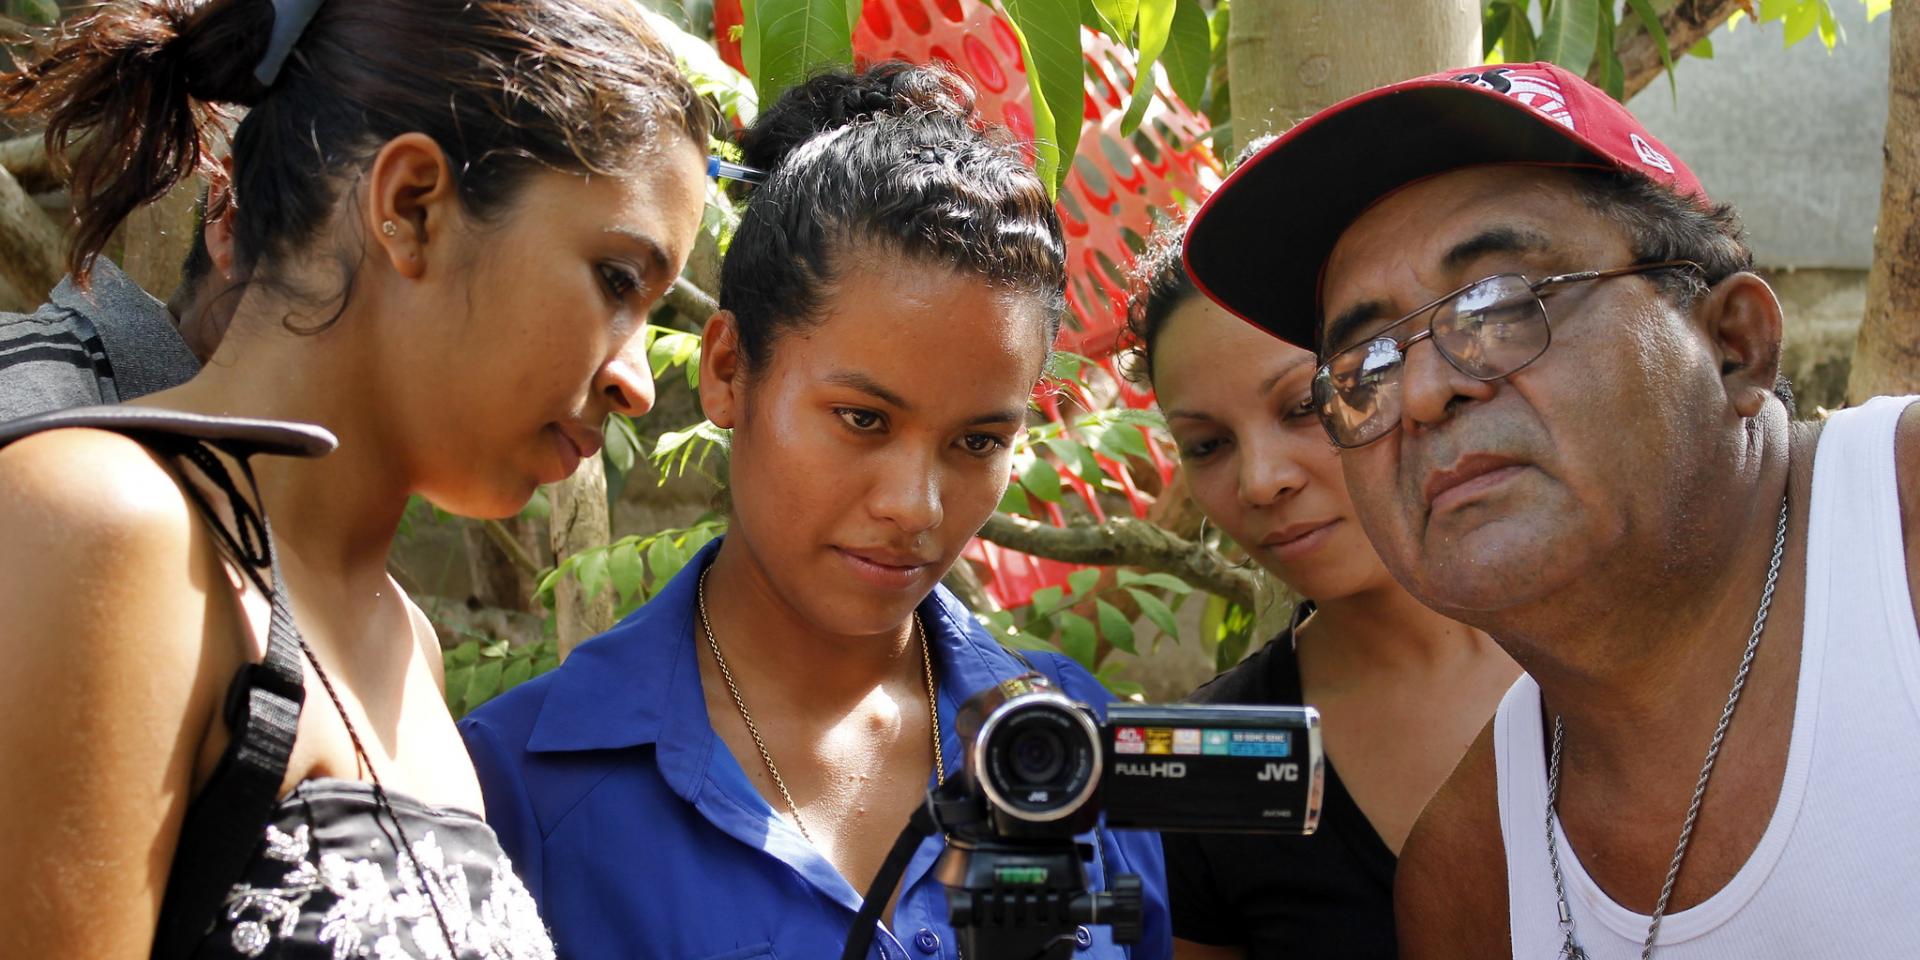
411, 200
1742, 319
723, 371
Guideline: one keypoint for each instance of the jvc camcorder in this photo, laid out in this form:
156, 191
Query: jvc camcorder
1040, 768
1043, 765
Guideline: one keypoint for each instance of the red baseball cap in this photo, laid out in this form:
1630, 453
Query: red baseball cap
1258, 244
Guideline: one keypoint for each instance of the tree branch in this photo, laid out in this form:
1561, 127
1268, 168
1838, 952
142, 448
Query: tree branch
1689, 22
30, 260
510, 546
26, 158
1125, 541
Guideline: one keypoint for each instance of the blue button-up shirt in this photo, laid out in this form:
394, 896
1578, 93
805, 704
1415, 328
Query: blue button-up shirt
641, 836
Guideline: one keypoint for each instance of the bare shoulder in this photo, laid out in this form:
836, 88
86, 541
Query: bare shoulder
109, 585
427, 638
1906, 455
1450, 891
87, 503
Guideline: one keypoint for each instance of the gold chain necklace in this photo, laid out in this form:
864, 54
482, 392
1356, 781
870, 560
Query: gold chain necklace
933, 706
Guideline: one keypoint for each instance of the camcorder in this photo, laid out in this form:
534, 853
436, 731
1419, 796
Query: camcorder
1040, 770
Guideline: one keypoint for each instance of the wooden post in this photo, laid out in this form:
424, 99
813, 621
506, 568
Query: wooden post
1289, 58
580, 521
30, 248
1886, 357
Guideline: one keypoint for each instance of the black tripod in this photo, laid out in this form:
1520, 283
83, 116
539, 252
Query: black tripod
1008, 899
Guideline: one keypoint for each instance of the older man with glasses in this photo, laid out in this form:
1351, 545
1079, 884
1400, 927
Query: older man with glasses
1552, 379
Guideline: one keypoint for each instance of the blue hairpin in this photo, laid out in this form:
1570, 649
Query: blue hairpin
290, 19
717, 167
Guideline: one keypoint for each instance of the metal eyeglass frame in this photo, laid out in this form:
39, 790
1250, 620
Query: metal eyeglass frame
1324, 374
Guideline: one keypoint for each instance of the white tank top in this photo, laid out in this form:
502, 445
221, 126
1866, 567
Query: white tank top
1837, 873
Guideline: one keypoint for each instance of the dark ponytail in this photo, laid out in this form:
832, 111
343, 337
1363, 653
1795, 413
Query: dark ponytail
505, 87
894, 157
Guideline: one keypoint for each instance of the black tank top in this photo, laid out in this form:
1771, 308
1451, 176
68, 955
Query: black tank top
1328, 895
336, 868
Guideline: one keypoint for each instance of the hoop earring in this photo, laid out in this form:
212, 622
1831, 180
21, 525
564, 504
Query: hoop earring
389, 228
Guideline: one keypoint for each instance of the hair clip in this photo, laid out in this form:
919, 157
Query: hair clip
718, 168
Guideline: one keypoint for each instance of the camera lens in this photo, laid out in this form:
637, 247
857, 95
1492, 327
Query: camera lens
1039, 758
1038, 755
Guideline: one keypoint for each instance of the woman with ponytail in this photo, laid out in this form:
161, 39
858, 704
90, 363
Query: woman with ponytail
222, 732
722, 774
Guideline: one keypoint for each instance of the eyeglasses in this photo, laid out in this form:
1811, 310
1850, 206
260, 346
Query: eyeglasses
1488, 329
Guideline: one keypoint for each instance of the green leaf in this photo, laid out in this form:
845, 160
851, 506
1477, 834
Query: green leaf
663, 561
1877, 7
1519, 44
1829, 27
1015, 501
1114, 625
1777, 9
1049, 33
1114, 18
38, 11
624, 569
1156, 611
1493, 26
457, 679
623, 443
795, 38
1046, 600
1076, 455
1570, 34
1042, 480
1650, 19
1021, 640
1167, 582
1081, 582
518, 671
1189, 53
1156, 22
1801, 21
1124, 689
1703, 49
591, 571
1613, 78
483, 684
1077, 639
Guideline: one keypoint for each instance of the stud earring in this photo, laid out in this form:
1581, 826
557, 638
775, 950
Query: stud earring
387, 227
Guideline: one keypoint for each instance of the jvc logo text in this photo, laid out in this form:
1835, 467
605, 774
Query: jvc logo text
1289, 772
1171, 770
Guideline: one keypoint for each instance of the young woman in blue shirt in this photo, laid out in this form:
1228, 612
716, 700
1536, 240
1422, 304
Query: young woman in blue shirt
721, 775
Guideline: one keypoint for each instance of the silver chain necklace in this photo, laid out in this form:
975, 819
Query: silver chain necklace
1571, 949
753, 730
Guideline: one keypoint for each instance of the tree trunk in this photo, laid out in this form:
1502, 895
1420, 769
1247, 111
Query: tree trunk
1886, 357
580, 521
157, 237
1287, 59
30, 245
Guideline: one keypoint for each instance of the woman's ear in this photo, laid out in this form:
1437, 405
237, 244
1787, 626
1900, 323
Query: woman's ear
1742, 320
722, 370
411, 200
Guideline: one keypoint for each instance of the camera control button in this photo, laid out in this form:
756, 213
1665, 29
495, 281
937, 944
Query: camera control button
926, 941
1082, 937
